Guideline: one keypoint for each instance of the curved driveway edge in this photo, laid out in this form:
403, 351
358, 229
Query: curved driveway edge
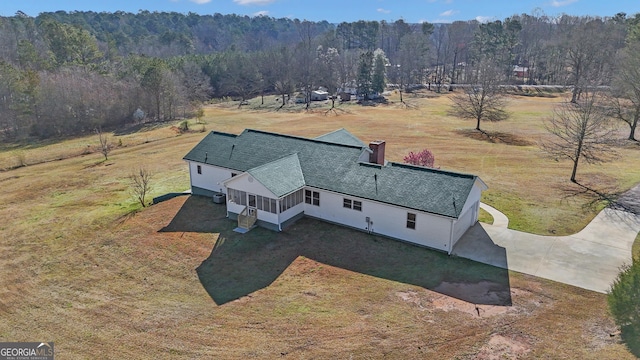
590, 259
499, 219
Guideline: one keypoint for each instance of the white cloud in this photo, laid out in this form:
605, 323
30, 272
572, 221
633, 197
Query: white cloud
484, 19
199, 2
253, 2
261, 13
384, 11
449, 13
560, 3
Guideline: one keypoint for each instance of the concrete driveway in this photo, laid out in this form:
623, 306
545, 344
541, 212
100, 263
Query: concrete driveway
590, 259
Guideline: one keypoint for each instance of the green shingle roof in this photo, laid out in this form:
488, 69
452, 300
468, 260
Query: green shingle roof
341, 136
283, 163
282, 176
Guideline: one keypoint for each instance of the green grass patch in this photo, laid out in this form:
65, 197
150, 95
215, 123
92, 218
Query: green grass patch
485, 217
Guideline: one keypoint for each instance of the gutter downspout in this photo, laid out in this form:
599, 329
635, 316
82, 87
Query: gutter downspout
279, 213
450, 237
190, 175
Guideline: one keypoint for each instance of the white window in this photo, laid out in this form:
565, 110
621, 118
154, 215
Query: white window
312, 197
347, 203
352, 204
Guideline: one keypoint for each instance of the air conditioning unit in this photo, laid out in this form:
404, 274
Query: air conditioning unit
219, 198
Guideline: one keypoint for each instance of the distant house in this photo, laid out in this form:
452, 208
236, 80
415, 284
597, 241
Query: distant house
272, 180
319, 95
520, 71
349, 88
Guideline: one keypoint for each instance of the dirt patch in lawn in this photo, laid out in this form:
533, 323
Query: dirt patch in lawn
481, 297
601, 332
502, 347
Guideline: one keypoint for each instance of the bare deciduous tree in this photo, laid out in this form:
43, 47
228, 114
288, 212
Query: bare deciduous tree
626, 89
484, 99
105, 143
140, 184
581, 131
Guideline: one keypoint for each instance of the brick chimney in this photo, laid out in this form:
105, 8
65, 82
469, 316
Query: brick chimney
377, 157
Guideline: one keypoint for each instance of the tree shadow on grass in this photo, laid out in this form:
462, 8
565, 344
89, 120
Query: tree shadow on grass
495, 137
596, 192
240, 264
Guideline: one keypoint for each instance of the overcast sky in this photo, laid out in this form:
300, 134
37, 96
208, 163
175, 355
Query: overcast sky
336, 11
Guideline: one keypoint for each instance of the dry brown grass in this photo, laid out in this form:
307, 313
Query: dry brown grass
177, 277
173, 281
530, 188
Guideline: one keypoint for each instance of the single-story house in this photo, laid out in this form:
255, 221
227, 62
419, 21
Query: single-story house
272, 180
319, 95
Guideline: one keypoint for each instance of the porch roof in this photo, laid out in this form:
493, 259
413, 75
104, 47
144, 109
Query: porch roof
282, 176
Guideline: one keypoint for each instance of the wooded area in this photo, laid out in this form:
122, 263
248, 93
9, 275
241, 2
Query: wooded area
63, 73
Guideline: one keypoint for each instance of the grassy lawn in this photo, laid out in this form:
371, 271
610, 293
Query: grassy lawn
175, 275
533, 190
82, 266
485, 217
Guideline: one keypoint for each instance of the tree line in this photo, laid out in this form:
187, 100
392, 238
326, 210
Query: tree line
67, 73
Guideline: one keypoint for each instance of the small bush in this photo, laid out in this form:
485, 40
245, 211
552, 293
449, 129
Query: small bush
624, 304
422, 158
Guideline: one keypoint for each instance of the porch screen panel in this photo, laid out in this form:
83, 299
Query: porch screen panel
265, 204
291, 200
237, 196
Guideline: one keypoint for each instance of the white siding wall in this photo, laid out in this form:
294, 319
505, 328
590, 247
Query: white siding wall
291, 212
268, 216
470, 211
465, 221
246, 182
211, 177
431, 230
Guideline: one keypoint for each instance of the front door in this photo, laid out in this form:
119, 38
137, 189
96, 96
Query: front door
252, 205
